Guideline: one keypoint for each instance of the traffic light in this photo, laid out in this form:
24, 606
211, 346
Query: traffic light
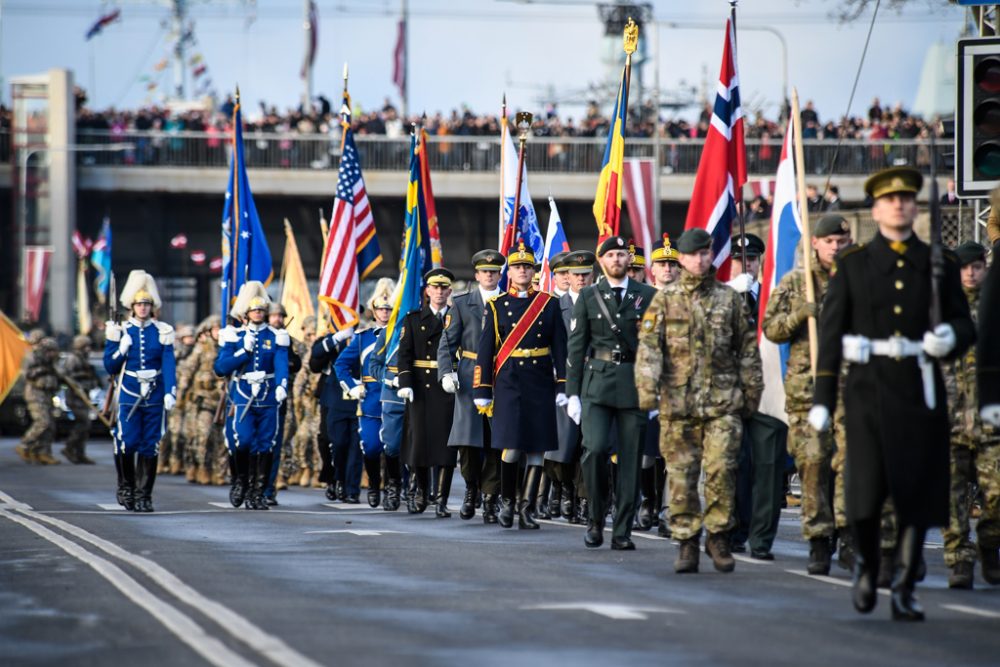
977, 121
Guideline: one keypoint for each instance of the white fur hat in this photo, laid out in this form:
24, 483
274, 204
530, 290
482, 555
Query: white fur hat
140, 288
252, 295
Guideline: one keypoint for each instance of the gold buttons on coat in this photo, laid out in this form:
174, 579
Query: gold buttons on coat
897, 309
900, 263
899, 284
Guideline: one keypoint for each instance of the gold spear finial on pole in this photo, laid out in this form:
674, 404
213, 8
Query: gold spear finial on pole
631, 37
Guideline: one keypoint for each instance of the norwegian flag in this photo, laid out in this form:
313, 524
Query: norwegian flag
639, 198
81, 244
352, 250
722, 171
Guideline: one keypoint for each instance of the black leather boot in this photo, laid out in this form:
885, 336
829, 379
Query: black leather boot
542, 499
569, 503
249, 501
866, 559
422, 476
490, 508
508, 493
646, 515
128, 479
529, 492
239, 464
583, 511
905, 606
120, 489
373, 466
394, 484
263, 473
444, 477
555, 500
144, 483
845, 551
469, 501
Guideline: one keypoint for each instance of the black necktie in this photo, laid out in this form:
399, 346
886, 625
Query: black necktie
618, 294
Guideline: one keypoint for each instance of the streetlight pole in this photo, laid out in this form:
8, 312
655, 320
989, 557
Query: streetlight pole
22, 226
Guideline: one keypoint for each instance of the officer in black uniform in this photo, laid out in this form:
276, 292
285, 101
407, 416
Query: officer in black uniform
876, 316
430, 408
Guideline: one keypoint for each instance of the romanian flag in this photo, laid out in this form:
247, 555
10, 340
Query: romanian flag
433, 234
13, 348
608, 200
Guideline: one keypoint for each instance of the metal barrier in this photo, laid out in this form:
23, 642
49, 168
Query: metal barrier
265, 150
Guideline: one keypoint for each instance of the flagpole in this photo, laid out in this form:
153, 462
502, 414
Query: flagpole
523, 122
234, 230
800, 178
345, 111
739, 193
503, 153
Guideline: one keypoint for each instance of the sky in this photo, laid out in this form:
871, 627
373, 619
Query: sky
471, 52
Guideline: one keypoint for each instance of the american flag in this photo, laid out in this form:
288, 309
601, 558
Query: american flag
722, 171
352, 249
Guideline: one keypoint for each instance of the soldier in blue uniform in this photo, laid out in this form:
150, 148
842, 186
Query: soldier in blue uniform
276, 315
384, 371
430, 410
518, 380
141, 354
470, 431
339, 415
255, 357
351, 374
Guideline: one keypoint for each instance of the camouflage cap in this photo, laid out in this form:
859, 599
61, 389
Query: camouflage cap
81, 342
48, 344
830, 225
209, 322
35, 336
970, 252
694, 240
185, 330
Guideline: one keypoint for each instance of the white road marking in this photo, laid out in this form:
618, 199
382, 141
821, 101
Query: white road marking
972, 610
239, 627
178, 623
225, 506
359, 532
618, 612
15, 504
111, 507
832, 580
753, 561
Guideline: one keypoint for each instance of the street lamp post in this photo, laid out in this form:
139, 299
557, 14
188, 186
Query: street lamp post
22, 226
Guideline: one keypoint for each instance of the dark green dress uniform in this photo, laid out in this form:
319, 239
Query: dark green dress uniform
429, 414
605, 384
897, 446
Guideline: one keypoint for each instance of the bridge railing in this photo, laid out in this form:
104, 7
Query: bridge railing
267, 150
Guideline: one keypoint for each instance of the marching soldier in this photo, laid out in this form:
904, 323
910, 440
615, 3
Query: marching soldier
383, 367
79, 371
560, 274
430, 410
141, 354
255, 357
519, 378
306, 392
276, 315
470, 431
41, 384
172, 447
876, 315
562, 465
786, 321
664, 266
637, 265
698, 362
205, 442
600, 385
350, 368
975, 450
289, 463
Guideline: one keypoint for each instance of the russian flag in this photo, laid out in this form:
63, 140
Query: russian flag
555, 243
779, 259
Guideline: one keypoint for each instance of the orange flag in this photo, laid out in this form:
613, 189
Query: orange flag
13, 348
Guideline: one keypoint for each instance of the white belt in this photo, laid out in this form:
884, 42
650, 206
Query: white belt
256, 377
897, 347
143, 376
858, 348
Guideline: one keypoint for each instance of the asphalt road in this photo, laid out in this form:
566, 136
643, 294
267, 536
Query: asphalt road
311, 583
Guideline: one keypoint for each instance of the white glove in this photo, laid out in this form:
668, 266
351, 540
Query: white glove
249, 340
653, 414
819, 418
856, 349
112, 331
450, 383
991, 414
561, 400
574, 409
357, 392
343, 334
940, 342
406, 393
124, 344
741, 283
280, 394
169, 402
482, 402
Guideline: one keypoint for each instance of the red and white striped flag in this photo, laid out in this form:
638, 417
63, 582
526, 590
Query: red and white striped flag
36, 265
399, 59
640, 200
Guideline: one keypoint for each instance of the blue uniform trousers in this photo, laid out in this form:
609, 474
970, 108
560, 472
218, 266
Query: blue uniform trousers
345, 450
391, 433
257, 431
141, 433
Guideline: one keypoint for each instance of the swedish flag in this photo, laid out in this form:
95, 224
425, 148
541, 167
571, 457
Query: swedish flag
245, 253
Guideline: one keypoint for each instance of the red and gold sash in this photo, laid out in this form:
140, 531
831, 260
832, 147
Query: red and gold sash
520, 329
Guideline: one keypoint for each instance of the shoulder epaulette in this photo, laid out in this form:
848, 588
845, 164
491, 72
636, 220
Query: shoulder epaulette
950, 255
850, 250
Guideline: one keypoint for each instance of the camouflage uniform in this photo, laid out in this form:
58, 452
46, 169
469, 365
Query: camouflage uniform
174, 440
305, 459
785, 321
698, 363
206, 452
41, 384
975, 457
78, 369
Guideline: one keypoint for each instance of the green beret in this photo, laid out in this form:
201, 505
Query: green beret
612, 243
579, 261
969, 252
751, 244
894, 179
831, 224
694, 240
488, 260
